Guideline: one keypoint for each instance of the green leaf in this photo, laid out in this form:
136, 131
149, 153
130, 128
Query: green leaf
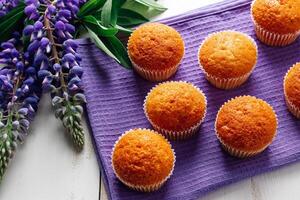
109, 14
152, 4
106, 14
144, 10
119, 50
11, 22
123, 29
129, 18
100, 44
90, 7
96, 27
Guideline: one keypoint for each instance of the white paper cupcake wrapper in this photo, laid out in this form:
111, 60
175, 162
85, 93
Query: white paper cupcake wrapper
236, 152
155, 75
177, 135
143, 188
292, 108
226, 83
271, 38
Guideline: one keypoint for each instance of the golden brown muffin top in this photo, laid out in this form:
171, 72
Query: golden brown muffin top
143, 157
278, 16
155, 46
292, 85
175, 106
246, 123
228, 54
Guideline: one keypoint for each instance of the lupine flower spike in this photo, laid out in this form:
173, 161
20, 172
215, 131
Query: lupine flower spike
19, 97
54, 50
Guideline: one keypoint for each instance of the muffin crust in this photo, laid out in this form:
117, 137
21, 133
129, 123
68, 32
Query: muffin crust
278, 16
143, 157
292, 85
175, 106
246, 123
228, 54
155, 46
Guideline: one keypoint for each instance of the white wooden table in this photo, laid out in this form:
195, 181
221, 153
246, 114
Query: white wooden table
47, 168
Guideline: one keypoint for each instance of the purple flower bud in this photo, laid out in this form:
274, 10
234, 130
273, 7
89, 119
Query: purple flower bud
25, 89
59, 25
57, 67
25, 123
15, 125
39, 58
34, 2
23, 111
15, 53
28, 30
73, 88
7, 45
51, 9
80, 97
43, 73
19, 92
70, 28
30, 71
32, 48
77, 70
31, 100
74, 80
20, 66
30, 9
38, 26
64, 13
71, 43
69, 57
44, 42
28, 81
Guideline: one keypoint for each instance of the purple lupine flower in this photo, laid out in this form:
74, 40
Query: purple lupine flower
7, 5
18, 85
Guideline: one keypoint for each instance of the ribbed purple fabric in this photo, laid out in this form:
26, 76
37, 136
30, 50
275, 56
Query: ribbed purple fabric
115, 97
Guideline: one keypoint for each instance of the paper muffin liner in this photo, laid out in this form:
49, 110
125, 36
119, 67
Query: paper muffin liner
177, 135
271, 38
155, 75
226, 83
291, 107
143, 188
236, 152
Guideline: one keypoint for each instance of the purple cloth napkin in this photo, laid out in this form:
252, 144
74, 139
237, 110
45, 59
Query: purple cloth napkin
115, 97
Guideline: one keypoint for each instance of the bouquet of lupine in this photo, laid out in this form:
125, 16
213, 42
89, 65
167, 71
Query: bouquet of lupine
38, 55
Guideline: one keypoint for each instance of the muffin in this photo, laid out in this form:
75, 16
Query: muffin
245, 126
175, 109
291, 87
143, 160
277, 22
227, 58
155, 51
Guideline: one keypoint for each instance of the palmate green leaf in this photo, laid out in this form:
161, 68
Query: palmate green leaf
129, 18
11, 22
100, 44
119, 50
90, 7
92, 23
152, 4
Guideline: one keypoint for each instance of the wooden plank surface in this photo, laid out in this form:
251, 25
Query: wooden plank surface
47, 168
